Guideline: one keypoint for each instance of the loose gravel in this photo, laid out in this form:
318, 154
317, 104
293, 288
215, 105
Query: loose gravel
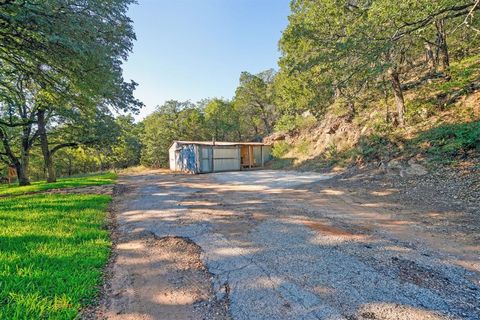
287, 245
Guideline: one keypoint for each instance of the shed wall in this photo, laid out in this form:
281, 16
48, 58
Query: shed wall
226, 158
267, 153
205, 153
197, 158
171, 157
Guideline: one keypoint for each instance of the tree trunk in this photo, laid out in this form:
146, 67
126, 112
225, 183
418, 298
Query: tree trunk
20, 163
47, 155
264, 117
430, 58
351, 109
336, 89
21, 173
268, 130
398, 94
442, 46
23, 179
69, 166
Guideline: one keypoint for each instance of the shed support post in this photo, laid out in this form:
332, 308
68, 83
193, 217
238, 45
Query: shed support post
213, 161
261, 154
239, 155
250, 151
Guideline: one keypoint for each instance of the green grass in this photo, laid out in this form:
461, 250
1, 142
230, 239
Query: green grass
280, 149
448, 141
463, 73
38, 186
52, 251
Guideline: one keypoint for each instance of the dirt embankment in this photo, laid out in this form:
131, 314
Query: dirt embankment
433, 162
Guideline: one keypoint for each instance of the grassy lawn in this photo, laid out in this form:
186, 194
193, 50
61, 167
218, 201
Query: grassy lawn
81, 181
52, 251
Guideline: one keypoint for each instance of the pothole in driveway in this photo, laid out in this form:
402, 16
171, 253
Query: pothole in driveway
161, 278
186, 280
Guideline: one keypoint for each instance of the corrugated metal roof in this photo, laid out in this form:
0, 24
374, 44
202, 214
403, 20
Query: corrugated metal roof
222, 143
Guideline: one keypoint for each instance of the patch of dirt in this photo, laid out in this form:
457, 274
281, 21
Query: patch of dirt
93, 311
326, 229
104, 189
410, 271
446, 200
390, 311
161, 278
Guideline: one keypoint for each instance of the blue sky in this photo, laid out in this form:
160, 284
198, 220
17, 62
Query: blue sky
194, 49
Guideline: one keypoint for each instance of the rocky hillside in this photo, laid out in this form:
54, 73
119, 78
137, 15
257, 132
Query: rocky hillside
443, 127
438, 150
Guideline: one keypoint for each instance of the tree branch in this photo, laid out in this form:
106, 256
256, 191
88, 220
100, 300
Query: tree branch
63, 145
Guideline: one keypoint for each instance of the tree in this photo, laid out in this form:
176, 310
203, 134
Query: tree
67, 51
17, 127
254, 101
74, 128
126, 150
352, 45
221, 120
174, 120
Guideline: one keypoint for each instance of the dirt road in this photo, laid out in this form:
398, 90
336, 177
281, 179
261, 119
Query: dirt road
281, 245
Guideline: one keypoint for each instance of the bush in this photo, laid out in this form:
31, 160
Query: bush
280, 148
450, 140
376, 147
292, 123
303, 147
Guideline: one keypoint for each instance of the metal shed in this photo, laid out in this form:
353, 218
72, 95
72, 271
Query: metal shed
215, 156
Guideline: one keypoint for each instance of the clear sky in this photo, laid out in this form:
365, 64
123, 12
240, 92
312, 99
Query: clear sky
194, 49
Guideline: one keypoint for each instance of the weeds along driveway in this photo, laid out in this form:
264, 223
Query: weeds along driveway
270, 245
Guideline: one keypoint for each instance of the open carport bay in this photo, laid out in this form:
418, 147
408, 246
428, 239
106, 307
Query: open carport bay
281, 245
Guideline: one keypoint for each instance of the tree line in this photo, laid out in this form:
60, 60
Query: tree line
61, 77
249, 116
349, 53
61, 80
338, 50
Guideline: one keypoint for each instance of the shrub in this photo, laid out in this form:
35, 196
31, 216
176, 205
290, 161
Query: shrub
292, 123
303, 147
280, 148
450, 140
376, 147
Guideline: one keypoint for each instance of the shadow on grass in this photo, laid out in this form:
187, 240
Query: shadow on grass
75, 182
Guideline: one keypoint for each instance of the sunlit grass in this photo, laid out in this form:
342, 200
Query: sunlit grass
87, 180
52, 251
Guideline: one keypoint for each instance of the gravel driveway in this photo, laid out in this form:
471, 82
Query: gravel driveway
277, 245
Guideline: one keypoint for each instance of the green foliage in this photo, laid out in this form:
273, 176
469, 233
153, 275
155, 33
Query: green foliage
448, 141
418, 111
54, 248
303, 147
293, 123
338, 50
222, 120
282, 163
331, 151
377, 147
126, 151
172, 121
254, 103
280, 149
74, 182
61, 76
463, 73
